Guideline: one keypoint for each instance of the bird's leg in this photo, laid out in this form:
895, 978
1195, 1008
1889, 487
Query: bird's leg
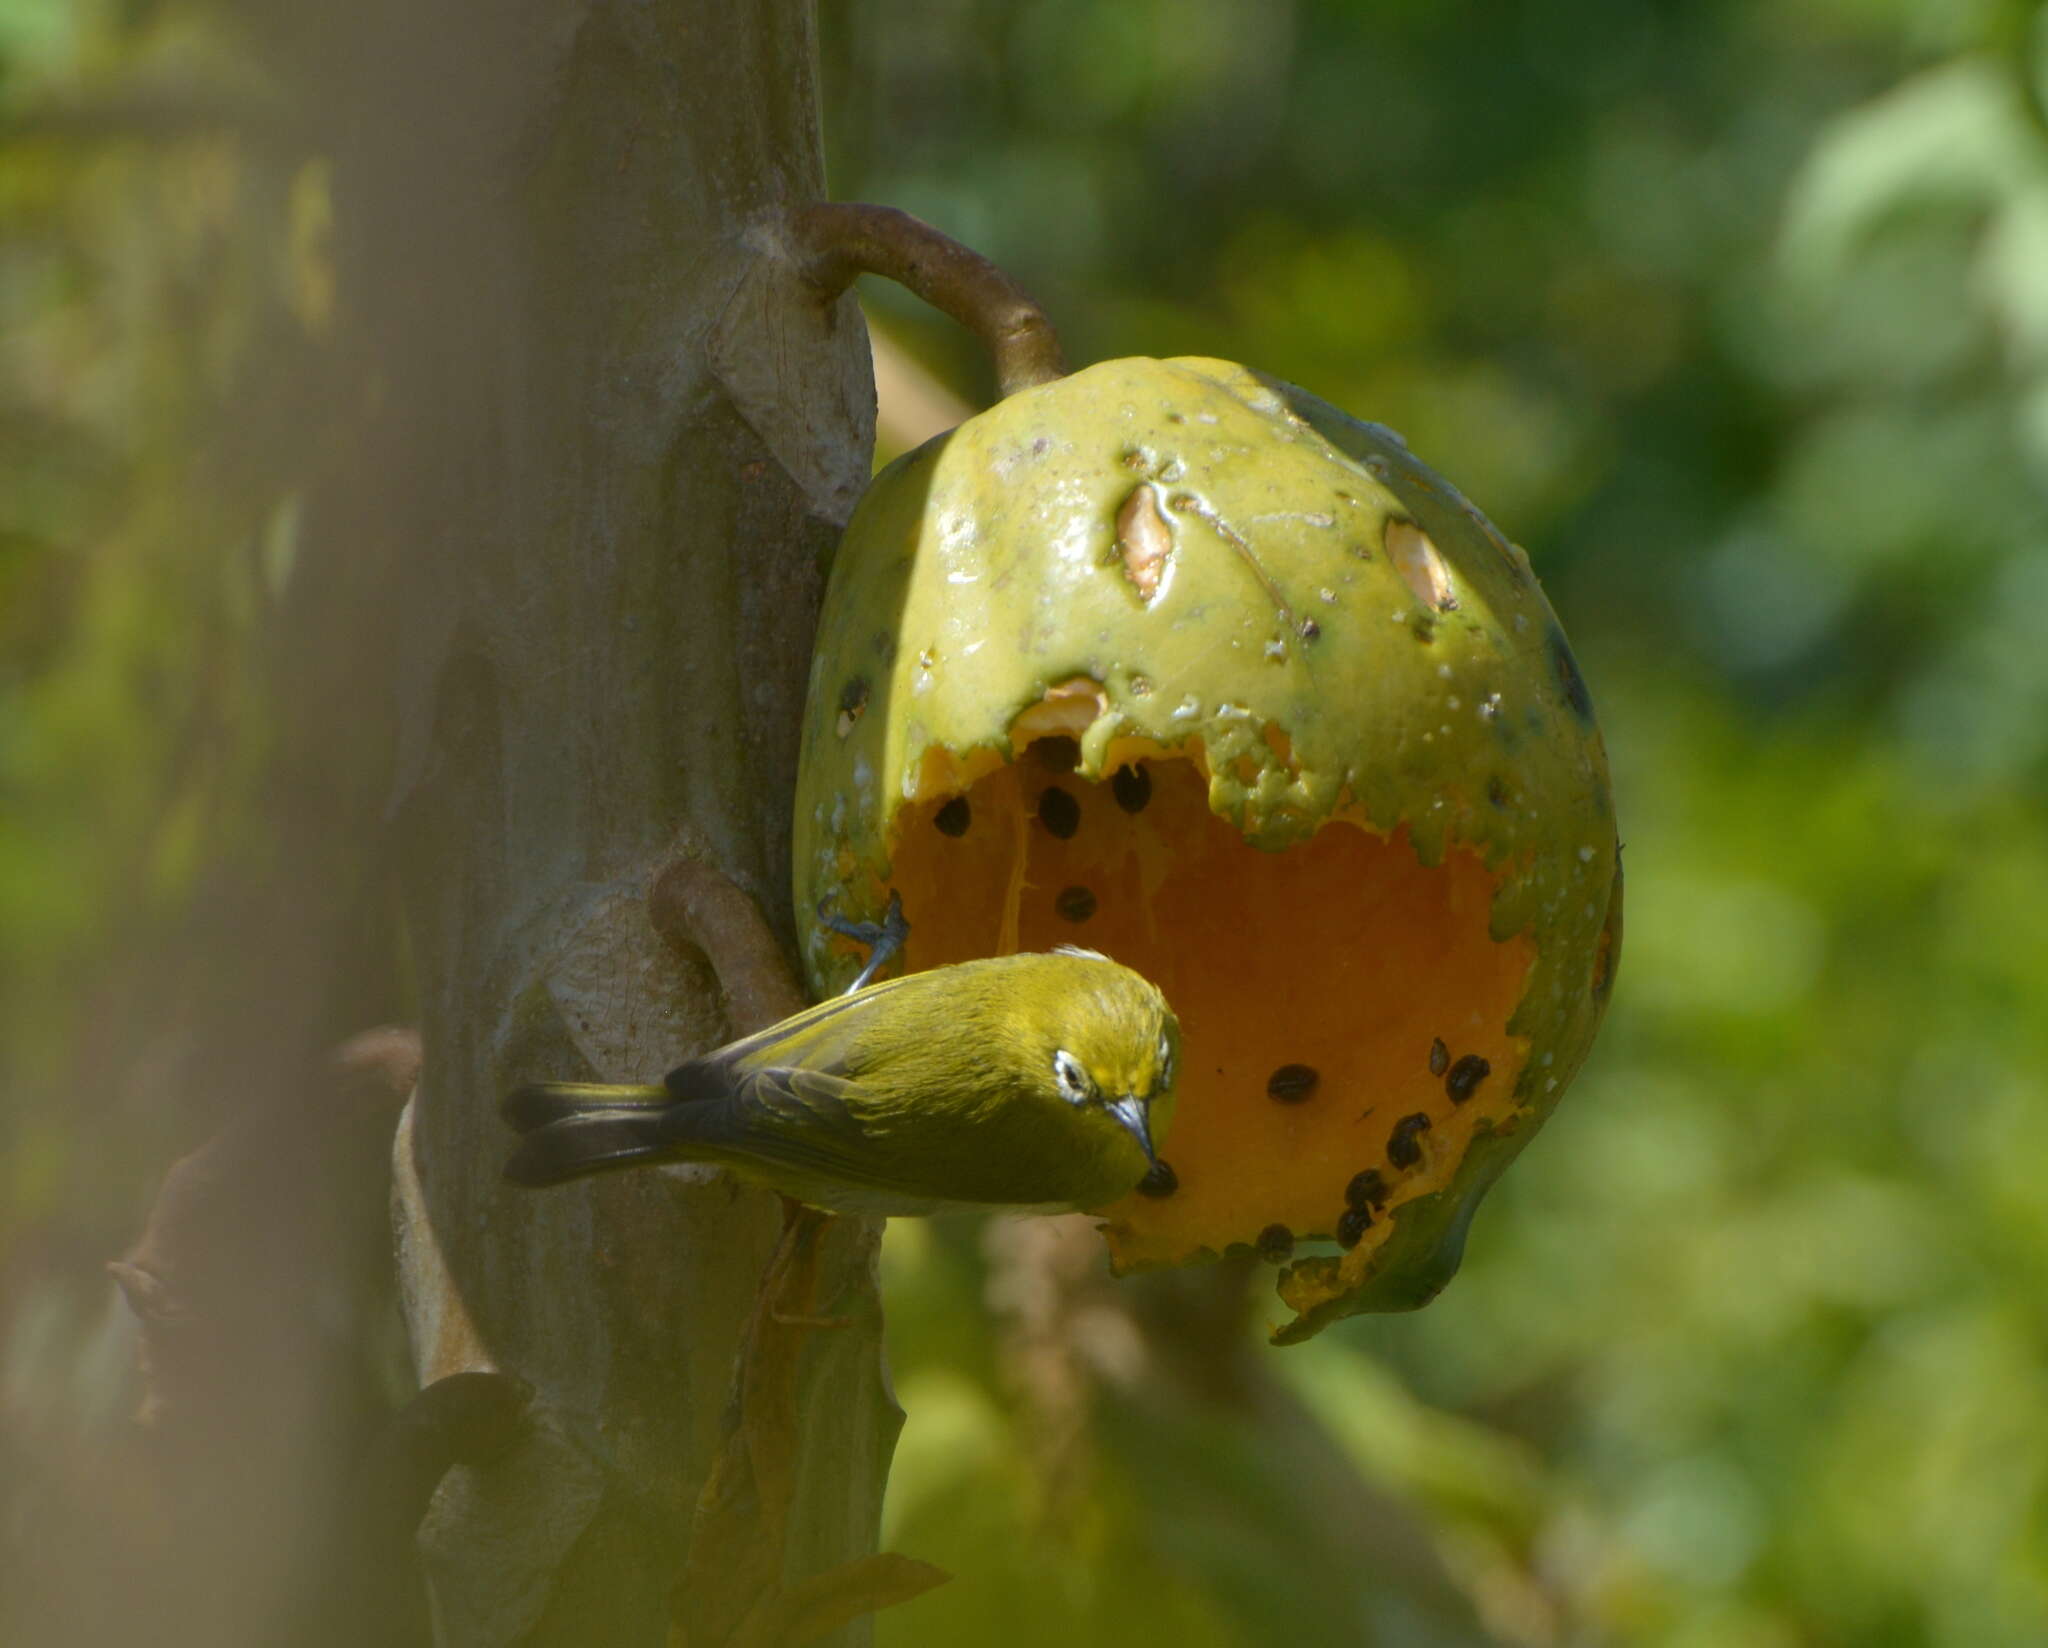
739, 1528
695, 907
739, 1532
741, 1523
787, 1286
885, 937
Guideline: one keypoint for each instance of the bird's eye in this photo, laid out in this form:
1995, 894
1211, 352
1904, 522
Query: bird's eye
1075, 1087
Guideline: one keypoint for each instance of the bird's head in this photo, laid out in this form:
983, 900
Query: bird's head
1114, 1044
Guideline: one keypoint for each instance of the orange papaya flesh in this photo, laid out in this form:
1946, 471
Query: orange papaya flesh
1390, 977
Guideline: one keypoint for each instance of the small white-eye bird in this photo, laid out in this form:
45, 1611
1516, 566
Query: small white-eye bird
1035, 1082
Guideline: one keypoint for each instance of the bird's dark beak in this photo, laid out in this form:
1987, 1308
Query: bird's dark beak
1136, 1116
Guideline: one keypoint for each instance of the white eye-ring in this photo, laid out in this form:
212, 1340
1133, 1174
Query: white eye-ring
1075, 1087
1165, 1061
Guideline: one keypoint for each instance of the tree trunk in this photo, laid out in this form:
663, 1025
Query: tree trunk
614, 437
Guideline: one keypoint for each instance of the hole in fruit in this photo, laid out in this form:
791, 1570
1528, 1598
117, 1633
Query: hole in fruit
1059, 753
1421, 565
853, 704
1144, 541
1068, 709
954, 817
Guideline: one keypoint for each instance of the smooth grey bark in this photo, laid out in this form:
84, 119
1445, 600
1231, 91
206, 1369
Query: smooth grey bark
611, 441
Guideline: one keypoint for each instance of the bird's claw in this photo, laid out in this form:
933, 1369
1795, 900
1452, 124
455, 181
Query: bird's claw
885, 937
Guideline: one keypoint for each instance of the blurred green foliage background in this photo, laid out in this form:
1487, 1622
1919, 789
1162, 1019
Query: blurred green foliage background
1737, 315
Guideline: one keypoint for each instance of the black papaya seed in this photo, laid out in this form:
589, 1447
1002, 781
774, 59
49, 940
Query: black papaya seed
1403, 1144
1075, 903
1132, 787
1275, 1243
1465, 1077
1367, 1189
1059, 812
1292, 1083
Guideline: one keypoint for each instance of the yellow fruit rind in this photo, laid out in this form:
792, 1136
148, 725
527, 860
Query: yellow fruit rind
1182, 561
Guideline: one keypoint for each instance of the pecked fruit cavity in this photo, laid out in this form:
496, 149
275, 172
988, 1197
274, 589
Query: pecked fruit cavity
1144, 541
853, 704
1285, 1118
1058, 753
1421, 565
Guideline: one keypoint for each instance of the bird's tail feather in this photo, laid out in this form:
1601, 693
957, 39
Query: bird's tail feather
533, 1107
574, 1128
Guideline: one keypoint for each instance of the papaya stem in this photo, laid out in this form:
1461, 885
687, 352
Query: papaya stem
835, 242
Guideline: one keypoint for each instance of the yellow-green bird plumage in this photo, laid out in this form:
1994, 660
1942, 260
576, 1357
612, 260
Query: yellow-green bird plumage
1029, 1081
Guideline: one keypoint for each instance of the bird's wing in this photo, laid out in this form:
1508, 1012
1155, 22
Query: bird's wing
793, 1097
803, 1126
820, 1038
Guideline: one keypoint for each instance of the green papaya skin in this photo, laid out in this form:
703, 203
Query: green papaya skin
1374, 839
